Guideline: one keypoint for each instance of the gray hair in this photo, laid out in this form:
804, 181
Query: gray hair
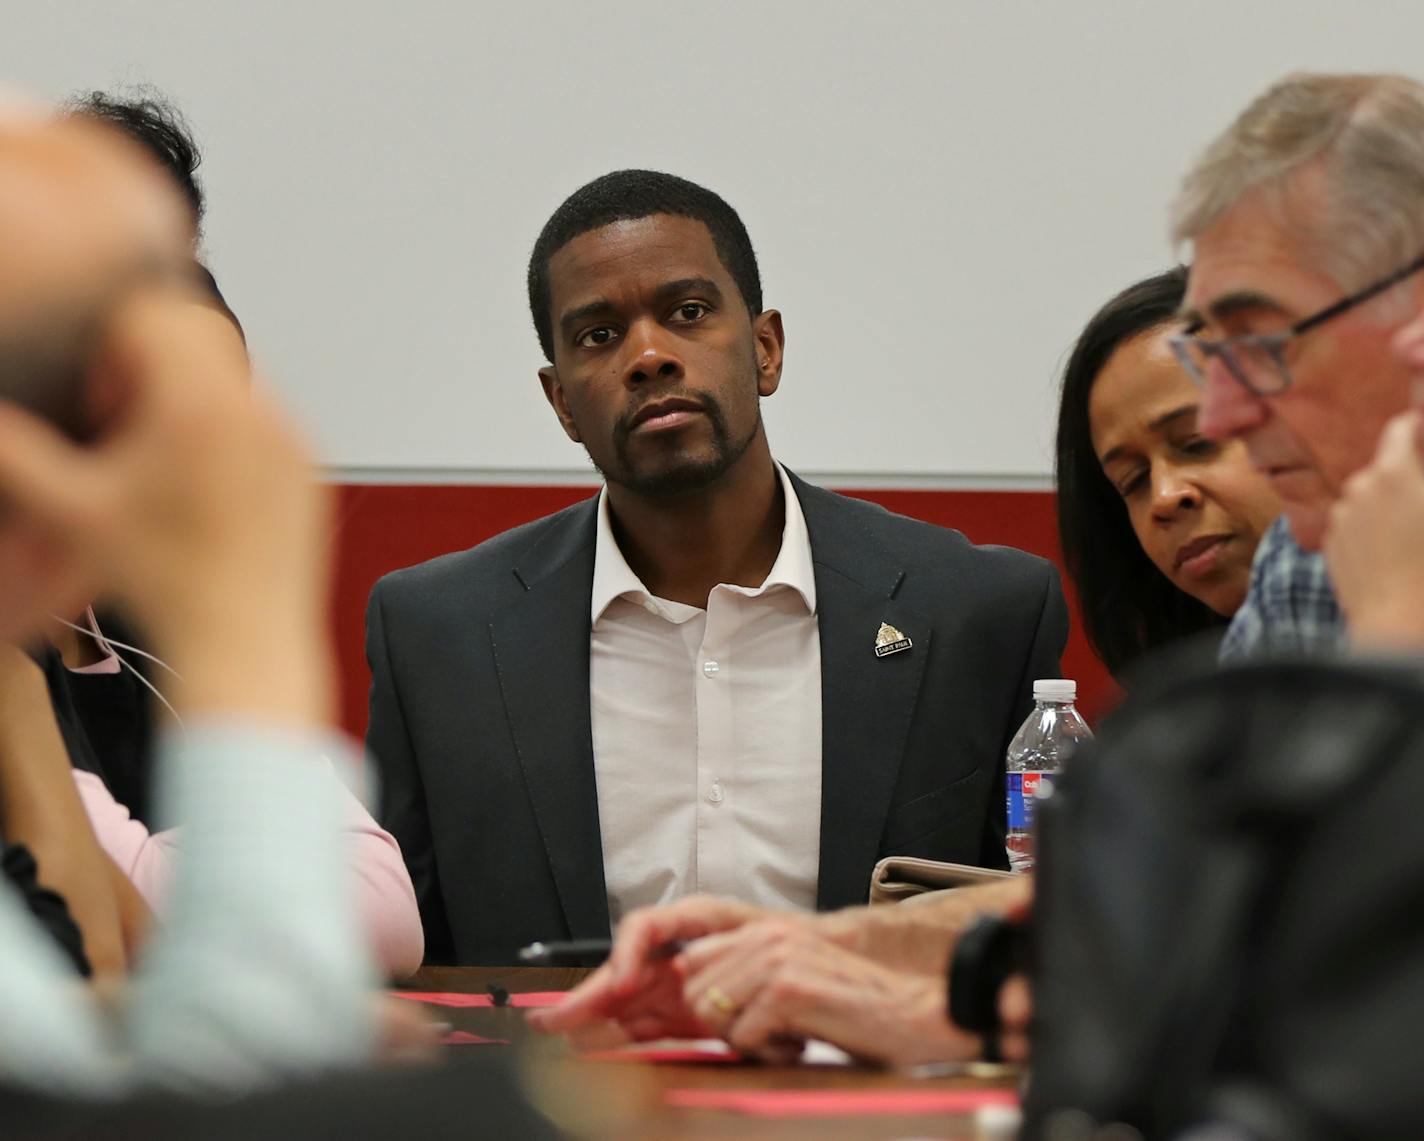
1364, 133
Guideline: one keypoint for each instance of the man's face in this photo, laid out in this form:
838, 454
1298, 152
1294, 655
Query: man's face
1251, 274
658, 367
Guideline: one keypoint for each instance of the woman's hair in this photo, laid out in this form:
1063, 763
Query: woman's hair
1128, 605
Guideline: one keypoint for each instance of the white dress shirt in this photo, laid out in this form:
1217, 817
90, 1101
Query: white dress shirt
707, 731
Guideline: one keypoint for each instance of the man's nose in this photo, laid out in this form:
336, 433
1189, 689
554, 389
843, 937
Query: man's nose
649, 355
1228, 408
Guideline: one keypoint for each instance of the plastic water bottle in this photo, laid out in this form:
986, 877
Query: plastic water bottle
1052, 731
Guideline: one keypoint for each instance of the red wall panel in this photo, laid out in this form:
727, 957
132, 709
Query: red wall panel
382, 527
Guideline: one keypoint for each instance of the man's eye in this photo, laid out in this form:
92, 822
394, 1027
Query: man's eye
1198, 446
690, 311
594, 338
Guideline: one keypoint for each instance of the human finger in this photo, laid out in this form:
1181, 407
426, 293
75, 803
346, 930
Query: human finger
659, 1011
43, 475
767, 1027
654, 1010
762, 1032
405, 1033
588, 1002
38, 577
160, 345
876, 1013
755, 936
698, 955
1016, 1004
598, 1035
721, 972
1399, 443
1014, 1047
1408, 343
717, 994
649, 931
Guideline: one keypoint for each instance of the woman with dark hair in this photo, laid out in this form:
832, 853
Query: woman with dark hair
1158, 523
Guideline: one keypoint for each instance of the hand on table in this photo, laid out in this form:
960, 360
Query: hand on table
1374, 544
640, 987
769, 986
405, 1033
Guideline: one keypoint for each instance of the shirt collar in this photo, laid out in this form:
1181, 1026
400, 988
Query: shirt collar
613, 578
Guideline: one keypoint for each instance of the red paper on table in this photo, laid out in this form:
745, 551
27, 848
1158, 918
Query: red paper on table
445, 998
839, 1102
664, 1055
465, 1038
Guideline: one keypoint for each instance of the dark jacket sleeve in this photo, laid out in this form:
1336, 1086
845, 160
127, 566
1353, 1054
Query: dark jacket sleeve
1042, 659
48, 907
403, 810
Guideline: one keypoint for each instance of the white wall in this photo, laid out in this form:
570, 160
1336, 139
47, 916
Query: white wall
940, 191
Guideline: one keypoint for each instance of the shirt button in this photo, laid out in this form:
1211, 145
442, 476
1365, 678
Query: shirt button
711, 668
715, 795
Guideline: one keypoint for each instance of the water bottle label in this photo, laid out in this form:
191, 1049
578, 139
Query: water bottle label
1023, 788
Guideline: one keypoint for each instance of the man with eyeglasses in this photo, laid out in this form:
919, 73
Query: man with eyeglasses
1307, 224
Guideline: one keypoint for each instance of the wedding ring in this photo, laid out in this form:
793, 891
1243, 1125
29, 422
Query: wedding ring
719, 1000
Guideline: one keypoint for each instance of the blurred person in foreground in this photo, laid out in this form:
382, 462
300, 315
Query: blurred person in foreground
195, 510
101, 692
192, 505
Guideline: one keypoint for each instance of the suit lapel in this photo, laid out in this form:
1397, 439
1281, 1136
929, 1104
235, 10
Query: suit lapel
541, 653
867, 702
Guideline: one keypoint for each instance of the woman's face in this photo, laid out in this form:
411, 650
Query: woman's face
1197, 506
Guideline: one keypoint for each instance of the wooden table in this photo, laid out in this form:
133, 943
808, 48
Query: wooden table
625, 1100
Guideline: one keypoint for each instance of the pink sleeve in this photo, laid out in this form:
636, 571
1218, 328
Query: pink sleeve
142, 856
387, 897
384, 889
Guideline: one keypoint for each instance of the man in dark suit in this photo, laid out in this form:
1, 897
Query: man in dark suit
711, 677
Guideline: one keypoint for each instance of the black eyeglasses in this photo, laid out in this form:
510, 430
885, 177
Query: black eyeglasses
1258, 360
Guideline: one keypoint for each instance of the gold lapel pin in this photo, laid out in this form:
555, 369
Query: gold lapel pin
890, 641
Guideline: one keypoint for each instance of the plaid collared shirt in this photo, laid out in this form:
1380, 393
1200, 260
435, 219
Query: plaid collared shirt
1290, 608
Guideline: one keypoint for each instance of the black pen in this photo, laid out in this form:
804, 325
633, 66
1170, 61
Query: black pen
573, 953
582, 952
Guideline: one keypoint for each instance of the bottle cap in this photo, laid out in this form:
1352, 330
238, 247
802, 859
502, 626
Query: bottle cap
1055, 689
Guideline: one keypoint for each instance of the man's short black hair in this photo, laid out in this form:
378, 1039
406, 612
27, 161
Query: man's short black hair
153, 122
626, 195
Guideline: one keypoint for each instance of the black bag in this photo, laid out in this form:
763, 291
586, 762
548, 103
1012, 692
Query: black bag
1229, 922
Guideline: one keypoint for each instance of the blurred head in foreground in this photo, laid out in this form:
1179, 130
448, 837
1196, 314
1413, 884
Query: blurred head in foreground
85, 217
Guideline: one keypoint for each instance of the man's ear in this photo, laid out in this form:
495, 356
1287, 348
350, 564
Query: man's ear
770, 350
554, 394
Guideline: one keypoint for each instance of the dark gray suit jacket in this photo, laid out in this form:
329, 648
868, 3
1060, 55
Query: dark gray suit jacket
480, 721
